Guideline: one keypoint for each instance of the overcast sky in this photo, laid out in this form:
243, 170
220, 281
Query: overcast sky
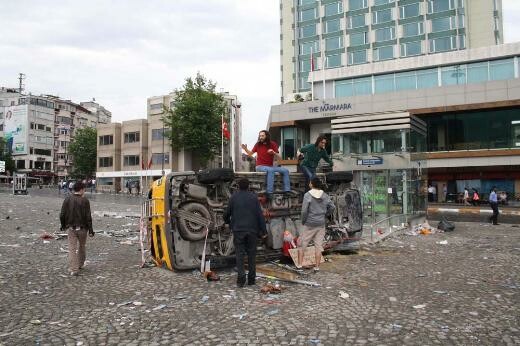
123, 51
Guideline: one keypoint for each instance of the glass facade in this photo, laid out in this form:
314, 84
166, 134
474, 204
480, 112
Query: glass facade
382, 16
333, 60
292, 138
356, 21
334, 43
408, 11
384, 53
331, 26
358, 38
413, 29
385, 34
333, 8
502, 69
411, 48
491, 129
357, 4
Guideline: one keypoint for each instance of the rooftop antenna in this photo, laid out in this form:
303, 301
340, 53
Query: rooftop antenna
21, 78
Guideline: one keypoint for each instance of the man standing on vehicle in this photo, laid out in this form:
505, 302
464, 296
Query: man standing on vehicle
75, 217
493, 202
313, 153
246, 220
315, 208
266, 149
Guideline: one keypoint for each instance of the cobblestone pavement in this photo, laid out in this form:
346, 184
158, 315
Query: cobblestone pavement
407, 290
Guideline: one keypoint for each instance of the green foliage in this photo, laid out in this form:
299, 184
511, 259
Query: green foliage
83, 150
195, 122
5, 156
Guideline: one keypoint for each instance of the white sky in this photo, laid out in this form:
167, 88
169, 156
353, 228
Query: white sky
123, 51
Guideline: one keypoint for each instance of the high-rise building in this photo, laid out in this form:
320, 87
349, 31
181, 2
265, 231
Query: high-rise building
103, 115
346, 36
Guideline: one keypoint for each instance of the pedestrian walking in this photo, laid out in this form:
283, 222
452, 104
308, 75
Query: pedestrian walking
430, 193
493, 202
466, 196
266, 149
315, 208
476, 198
76, 219
312, 154
246, 220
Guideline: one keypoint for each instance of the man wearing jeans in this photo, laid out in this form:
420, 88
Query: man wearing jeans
266, 149
313, 153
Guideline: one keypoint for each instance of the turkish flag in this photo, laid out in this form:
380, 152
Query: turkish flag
150, 163
225, 130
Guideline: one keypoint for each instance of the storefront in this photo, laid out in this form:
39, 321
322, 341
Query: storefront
127, 181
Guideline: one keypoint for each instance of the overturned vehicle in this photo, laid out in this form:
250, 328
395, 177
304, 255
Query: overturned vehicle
184, 216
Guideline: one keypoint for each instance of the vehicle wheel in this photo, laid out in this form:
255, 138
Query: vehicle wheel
210, 176
191, 230
339, 177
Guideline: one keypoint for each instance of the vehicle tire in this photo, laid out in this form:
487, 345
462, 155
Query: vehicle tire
339, 177
210, 176
190, 230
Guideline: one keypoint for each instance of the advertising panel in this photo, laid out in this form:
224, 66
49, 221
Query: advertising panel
15, 129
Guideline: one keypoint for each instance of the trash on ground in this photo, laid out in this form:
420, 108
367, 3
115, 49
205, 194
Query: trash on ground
343, 295
46, 236
272, 312
123, 304
35, 322
442, 242
204, 299
392, 299
159, 307
446, 225
272, 288
240, 316
396, 326
420, 306
423, 229
440, 292
211, 276
315, 341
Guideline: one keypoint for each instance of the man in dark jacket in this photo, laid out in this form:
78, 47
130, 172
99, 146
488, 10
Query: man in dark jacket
75, 217
244, 216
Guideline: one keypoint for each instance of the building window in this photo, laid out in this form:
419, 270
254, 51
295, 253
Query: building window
443, 44
131, 160
384, 83
427, 78
357, 57
333, 60
356, 21
357, 4
384, 53
131, 137
478, 72
305, 48
157, 134
413, 29
411, 48
159, 158
382, 16
306, 2
41, 127
334, 43
156, 106
334, 8
405, 81
307, 31
42, 152
382, 2
20, 164
1, 127
453, 75
106, 140
408, 11
435, 6
385, 34
444, 24
358, 38
331, 26
309, 14
305, 65
502, 69
105, 162
304, 84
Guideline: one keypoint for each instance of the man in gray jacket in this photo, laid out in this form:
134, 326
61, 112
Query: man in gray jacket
315, 208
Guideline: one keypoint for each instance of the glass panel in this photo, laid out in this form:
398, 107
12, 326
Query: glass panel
453, 75
413, 29
344, 88
357, 39
384, 83
435, 6
332, 25
308, 14
363, 86
333, 60
334, 8
305, 48
357, 4
385, 34
441, 24
309, 30
306, 2
408, 11
333, 43
405, 81
382, 2
427, 79
384, 53
442, 44
305, 65
304, 84
411, 48
477, 72
357, 21
382, 16
288, 144
358, 57
502, 69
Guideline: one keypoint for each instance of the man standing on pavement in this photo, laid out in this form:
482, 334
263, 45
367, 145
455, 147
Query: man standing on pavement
493, 202
75, 217
246, 220
266, 149
313, 153
315, 208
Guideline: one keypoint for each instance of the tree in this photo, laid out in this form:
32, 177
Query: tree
194, 124
5, 155
83, 150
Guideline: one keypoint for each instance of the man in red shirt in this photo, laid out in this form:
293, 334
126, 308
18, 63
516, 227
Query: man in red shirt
266, 149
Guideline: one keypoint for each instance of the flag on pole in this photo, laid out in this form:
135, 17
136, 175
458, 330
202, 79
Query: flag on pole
312, 62
150, 162
225, 130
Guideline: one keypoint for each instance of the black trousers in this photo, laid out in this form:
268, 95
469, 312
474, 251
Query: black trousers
245, 243
494, 218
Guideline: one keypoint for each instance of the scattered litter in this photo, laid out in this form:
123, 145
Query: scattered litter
272, 312
227, 296
420, 306
35, 322
137, 303
204, 299
420, 275
445, 311
445, 328
343, 295
5, 334
396, 326
123, 304
473, 313
179, 297
79, 343
497, 296
423, 229
240, 316
159, 307
100, 277
446, 225
35, 292
440, 292
315, 341
442, 242
392, 299
46, 236
9, 245
64, 250
46, 242
211, 276
161, 298
271, 288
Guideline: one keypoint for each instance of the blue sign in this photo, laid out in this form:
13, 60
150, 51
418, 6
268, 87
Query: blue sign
369, 162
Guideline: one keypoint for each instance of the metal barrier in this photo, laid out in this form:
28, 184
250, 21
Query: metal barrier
388, 223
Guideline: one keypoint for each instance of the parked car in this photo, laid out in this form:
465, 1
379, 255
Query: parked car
181, 206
